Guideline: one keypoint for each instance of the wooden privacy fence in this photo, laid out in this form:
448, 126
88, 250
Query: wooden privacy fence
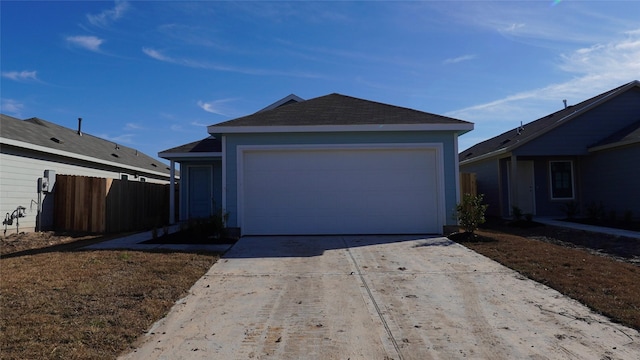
90, 204
468, 184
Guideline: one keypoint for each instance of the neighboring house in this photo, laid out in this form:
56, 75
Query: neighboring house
34, 151
329, 165
586, 155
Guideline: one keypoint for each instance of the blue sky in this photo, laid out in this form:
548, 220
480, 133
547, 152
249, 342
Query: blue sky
153, 74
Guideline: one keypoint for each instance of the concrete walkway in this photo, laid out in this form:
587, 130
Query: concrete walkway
134, 242
376, 297
592, 228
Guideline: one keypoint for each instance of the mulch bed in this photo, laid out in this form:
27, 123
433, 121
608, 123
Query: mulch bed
192, 237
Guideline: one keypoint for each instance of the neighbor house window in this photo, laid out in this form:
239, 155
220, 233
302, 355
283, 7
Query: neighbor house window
561, 179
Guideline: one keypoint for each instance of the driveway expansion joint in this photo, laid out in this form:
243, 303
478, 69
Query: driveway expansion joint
373, 301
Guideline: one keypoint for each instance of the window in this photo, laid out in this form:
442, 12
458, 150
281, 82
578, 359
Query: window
124, 177
561, 179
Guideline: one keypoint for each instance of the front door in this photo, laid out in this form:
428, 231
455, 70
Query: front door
200, 192
524, 188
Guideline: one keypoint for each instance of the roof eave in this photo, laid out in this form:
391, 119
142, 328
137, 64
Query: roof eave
33, 147
613, 145
215, 129
189, 155
495, 153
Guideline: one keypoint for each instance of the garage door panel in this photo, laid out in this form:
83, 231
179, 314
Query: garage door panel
339, 191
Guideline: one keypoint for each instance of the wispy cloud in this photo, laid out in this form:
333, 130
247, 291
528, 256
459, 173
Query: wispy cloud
120, 139
155, 54
513, 27
22, 76
199, 124
459, 59
88, 42
12, 107
594, 69
207, 65
216, 106
132, 126
535, 23
106, 17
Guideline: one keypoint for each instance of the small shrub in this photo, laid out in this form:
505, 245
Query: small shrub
528, 217
516, 212
571, 209
627, 217
470, 212
595, 211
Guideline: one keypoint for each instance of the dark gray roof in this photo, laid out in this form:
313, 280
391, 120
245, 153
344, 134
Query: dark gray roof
336, 109
208, 145
511, 139
627, 135
47, 134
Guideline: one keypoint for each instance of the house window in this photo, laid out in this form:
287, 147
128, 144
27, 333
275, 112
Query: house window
561, 179
124, 177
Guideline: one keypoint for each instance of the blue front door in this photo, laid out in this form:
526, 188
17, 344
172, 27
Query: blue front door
200, 192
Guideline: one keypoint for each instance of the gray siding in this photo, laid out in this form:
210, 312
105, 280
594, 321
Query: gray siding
545, 205
575, 136
613, 178
445, 138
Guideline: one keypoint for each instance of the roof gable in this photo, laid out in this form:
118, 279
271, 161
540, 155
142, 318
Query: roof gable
60, 139
521, 135
287, 100
209, 147
335, 110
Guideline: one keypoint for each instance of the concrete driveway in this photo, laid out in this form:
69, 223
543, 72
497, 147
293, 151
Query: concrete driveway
376, 297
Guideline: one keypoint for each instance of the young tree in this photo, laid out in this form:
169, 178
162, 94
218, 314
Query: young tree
471, 212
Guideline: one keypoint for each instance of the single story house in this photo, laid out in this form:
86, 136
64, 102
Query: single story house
33, 151
585, 156
334, 164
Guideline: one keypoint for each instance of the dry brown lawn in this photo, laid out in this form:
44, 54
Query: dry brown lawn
607, 281
57, 302
88, 304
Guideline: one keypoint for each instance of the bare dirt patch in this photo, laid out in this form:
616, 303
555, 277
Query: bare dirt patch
599, 270
23, 242
61, 303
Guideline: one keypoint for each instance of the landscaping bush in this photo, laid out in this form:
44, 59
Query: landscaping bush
571, 209
470, 212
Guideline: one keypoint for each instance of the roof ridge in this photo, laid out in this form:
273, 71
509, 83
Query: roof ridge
540, 125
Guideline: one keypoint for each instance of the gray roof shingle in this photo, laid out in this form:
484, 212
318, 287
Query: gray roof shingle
208, 145
336, 109
47, 134
511, 139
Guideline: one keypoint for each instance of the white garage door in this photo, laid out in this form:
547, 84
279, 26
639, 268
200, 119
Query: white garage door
389, 190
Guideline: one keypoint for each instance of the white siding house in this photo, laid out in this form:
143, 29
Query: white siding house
34, 151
